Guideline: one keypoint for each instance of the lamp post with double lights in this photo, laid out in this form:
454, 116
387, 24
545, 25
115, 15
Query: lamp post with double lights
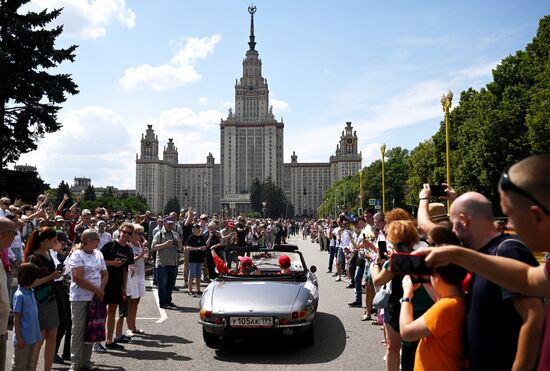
446, 101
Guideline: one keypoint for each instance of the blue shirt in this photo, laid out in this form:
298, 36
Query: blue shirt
24, 303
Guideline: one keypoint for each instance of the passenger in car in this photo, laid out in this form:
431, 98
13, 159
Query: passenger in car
284, 264
245, 267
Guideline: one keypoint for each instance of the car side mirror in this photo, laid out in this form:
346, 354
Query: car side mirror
313, 269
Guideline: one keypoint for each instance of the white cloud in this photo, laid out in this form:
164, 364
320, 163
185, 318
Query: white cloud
179, 71
87, 19
371, 153
203, 101
479, 70
279, 105
93, 142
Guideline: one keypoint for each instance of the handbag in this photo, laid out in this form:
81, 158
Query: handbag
381, 298
95, 322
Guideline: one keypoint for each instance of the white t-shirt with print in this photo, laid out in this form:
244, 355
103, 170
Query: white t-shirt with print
93, 264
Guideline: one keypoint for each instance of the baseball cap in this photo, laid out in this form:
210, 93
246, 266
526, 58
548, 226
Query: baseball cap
231, 225
204, 216
168, 220
86, 212
245, 261
284, 261
58, 218
196, 226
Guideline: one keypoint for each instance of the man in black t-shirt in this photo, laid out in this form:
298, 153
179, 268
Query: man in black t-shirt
242, 231
196, 245
503, 328
117, 255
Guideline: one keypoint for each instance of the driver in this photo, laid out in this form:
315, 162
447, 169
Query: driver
245, 267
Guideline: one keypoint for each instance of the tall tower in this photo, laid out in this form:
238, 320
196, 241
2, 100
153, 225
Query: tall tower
251, 139
347, 160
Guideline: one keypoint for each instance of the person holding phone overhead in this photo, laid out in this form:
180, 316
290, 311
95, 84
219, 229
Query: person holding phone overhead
117, 255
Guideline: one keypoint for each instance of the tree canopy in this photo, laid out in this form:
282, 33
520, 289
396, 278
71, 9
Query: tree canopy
29, 95
277, 204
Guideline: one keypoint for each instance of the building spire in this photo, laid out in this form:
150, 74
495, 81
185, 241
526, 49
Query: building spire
252, 43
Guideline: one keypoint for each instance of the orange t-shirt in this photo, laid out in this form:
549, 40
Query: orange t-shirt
443, 350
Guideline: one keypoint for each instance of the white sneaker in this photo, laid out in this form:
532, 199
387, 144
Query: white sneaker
338, 279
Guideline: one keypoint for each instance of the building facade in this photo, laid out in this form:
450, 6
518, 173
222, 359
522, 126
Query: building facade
251, 147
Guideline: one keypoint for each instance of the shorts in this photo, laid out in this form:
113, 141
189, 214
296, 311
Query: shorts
341, 258
195, 270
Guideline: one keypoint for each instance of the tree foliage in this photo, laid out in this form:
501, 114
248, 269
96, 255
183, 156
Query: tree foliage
277, 205
24, 185
89, 193
172, 204
29, 95
132, 204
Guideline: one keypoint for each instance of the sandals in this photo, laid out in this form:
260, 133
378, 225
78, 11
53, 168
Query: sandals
138, 331
366, 317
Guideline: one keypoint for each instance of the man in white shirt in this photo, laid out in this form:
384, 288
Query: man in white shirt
4, 206
104, 236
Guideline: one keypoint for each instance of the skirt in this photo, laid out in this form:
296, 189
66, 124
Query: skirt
47, 314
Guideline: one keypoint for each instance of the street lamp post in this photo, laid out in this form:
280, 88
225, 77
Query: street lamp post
383, 152
446, 100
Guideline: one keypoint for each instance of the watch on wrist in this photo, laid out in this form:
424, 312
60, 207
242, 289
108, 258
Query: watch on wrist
405, 300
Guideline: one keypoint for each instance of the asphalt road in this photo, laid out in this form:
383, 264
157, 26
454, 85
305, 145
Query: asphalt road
173, 338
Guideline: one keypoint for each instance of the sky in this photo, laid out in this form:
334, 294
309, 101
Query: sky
173, 64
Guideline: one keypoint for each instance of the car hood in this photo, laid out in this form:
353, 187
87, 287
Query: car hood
258, 297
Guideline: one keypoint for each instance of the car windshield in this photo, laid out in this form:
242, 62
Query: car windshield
267, 262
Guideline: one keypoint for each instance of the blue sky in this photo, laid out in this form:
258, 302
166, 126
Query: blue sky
173, 64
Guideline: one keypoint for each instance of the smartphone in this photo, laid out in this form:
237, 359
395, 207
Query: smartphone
383, 249
438, 190
59, 268
405, 263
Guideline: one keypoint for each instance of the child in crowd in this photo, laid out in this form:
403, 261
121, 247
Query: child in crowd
25, 318
439, 329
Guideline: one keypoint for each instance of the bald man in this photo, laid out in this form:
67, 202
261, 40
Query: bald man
503, 327
525, 199
7, 233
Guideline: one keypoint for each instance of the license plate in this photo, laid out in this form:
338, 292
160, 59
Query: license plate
251, 321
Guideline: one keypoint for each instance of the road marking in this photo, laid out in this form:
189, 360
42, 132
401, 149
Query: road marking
163, 315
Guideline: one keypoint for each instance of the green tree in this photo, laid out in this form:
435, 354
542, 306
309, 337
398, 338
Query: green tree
30, 96
89, 193
21, 185
173, 204
256, 195
63, 189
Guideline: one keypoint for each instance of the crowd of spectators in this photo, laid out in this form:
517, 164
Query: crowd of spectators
482, 307
89, 256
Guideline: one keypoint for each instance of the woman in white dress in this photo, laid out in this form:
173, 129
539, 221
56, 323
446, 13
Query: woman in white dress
135, 287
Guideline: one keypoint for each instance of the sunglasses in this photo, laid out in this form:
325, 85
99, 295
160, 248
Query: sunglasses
127, 232
507, 185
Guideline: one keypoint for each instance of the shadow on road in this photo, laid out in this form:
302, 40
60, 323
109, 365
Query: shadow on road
330, 342
154, 342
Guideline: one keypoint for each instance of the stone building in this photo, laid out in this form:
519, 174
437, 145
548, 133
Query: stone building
251, 146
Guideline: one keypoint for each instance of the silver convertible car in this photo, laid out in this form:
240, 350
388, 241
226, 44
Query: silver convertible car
266, 301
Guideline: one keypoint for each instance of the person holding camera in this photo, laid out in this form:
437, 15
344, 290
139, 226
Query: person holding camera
403, 235
166, 244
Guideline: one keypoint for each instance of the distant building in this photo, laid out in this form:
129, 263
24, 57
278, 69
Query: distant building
251, 146
82, 183
25, 168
